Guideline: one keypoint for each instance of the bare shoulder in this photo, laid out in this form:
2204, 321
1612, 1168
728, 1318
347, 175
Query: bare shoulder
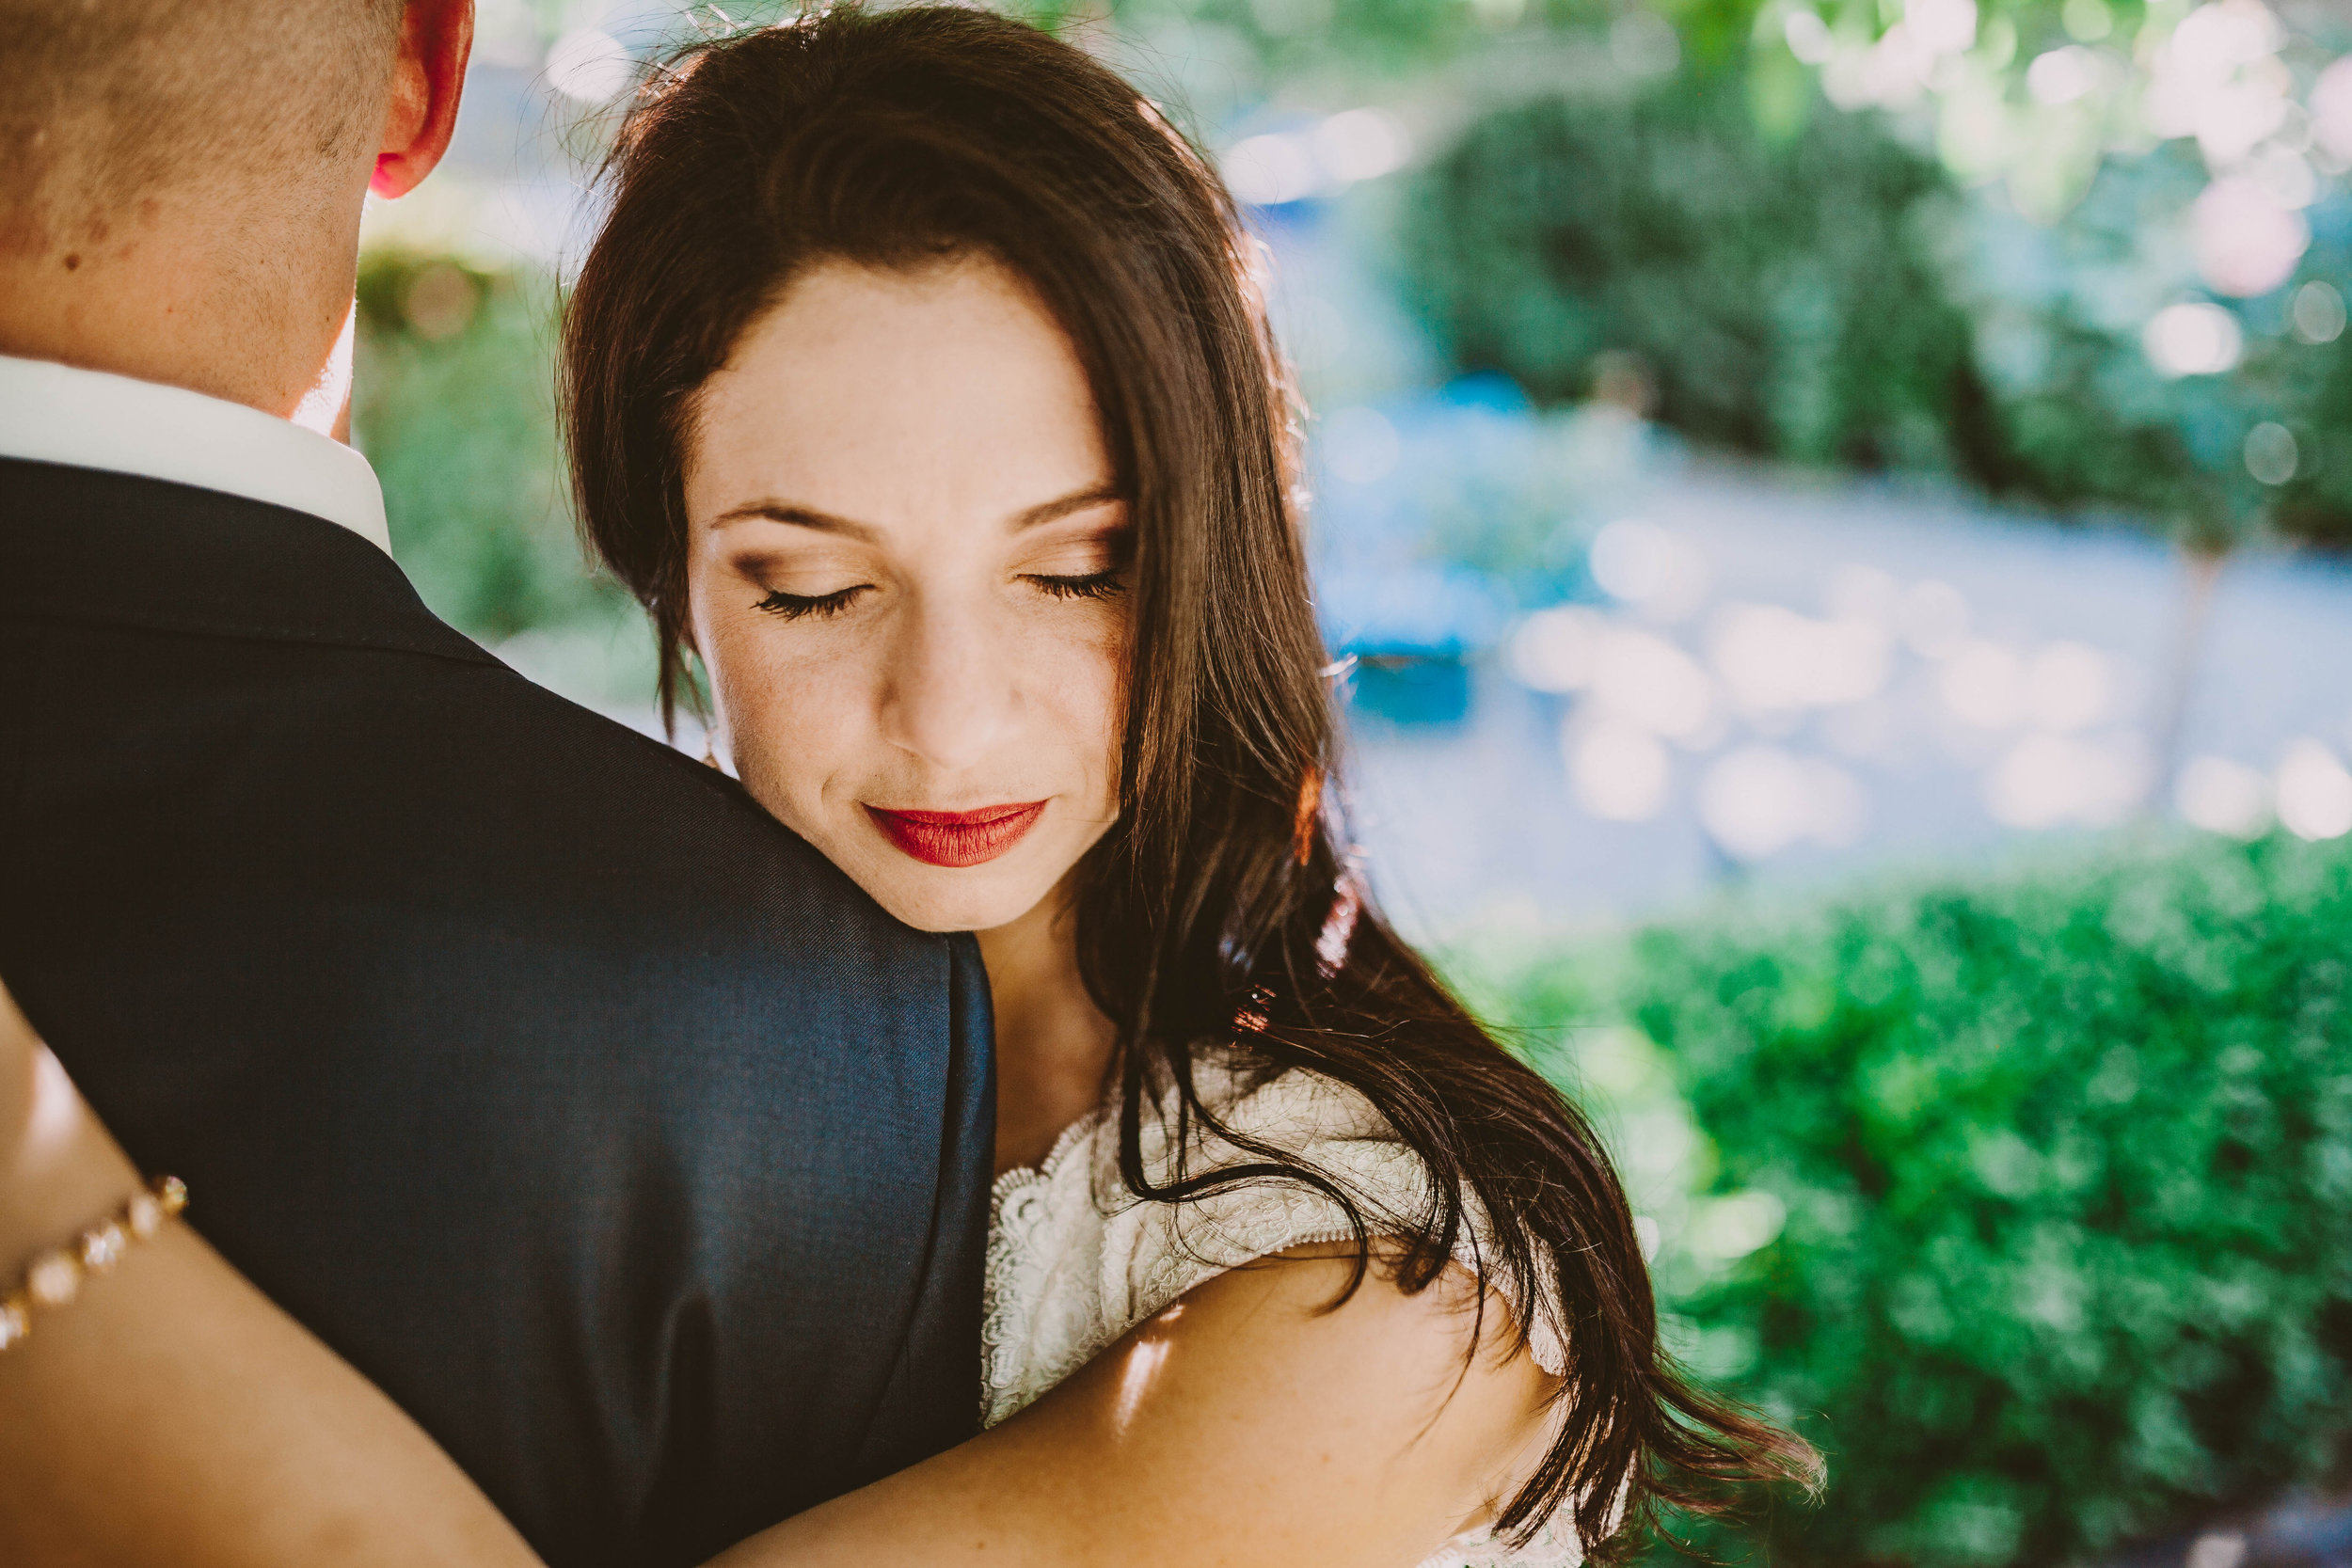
1261, 1419
1298, 1306
1427, 1399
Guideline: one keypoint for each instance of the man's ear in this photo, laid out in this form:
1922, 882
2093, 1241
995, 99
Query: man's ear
435, 40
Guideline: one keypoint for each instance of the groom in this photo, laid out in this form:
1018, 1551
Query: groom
589, 1114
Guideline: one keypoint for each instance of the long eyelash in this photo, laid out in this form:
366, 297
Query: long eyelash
793, 606
1094, 585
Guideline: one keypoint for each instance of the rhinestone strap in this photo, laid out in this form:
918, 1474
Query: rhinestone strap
54, 1277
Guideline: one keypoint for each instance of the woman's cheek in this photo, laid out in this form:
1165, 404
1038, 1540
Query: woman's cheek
781, 723
1102, 678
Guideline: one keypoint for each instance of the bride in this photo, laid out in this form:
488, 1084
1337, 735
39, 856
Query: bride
917, 387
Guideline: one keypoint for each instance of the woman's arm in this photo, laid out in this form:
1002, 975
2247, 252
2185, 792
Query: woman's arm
174, 1416
170, 1415
1247, 1424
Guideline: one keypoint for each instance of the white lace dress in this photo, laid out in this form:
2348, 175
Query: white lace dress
1074, 1261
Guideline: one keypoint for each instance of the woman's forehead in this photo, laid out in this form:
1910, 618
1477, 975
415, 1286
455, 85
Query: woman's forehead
879, 395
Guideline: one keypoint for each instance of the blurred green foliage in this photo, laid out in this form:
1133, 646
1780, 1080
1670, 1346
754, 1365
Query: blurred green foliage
454, 408
1292, 38
2065, 1160
2085, 419
1836, 298
1784, 297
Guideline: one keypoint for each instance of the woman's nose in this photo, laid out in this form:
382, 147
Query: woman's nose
950, 695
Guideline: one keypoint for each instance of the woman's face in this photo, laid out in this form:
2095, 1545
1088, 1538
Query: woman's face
907, 568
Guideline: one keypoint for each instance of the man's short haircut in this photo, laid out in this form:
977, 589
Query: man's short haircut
106, 103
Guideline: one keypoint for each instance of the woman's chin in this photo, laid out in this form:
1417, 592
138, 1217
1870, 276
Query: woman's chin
958, 898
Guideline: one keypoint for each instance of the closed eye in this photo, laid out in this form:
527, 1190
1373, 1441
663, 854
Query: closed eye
1093, 585
791, 607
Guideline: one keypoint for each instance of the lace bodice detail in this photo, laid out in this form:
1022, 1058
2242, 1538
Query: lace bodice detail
1074, 1261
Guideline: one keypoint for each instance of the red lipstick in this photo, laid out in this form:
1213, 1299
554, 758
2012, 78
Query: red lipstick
957, 837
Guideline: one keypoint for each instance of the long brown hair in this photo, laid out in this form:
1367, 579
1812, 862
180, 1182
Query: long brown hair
893, 139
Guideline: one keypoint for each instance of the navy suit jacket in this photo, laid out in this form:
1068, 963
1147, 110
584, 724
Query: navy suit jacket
593, 1116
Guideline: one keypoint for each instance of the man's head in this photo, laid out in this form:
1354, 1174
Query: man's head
108, 103
180, 180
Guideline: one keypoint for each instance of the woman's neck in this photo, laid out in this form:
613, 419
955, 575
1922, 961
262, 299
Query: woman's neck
1052, 1043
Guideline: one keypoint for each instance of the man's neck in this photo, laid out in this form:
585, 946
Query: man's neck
209, 307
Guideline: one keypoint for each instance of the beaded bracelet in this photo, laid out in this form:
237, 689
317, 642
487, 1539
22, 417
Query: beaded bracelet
54, 1277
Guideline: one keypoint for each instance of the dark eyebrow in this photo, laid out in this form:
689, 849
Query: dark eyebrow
800, 516
825, 522
1077, 500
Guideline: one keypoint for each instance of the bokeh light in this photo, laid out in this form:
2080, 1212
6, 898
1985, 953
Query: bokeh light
1642, 678
2248, 240
2271, 454
1760, 799
2332, 110
2193, 338
1321, 159
2314, 791
1643, 565
2223, 796
1555, 649
2063, 75
2045, 781
1618, 770
590, 66
2318, 312
1772, 657
1984, 684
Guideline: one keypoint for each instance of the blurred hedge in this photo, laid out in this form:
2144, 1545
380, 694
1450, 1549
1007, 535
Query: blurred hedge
2083, 418
1832, 296
2066, 1165
456, 409
1784, 295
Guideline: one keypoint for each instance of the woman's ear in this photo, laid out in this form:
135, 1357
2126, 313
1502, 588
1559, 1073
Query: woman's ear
428, 77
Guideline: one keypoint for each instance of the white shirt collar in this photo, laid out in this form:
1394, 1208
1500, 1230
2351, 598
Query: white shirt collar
52, 413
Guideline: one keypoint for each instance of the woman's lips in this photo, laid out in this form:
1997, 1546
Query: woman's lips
957, 837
